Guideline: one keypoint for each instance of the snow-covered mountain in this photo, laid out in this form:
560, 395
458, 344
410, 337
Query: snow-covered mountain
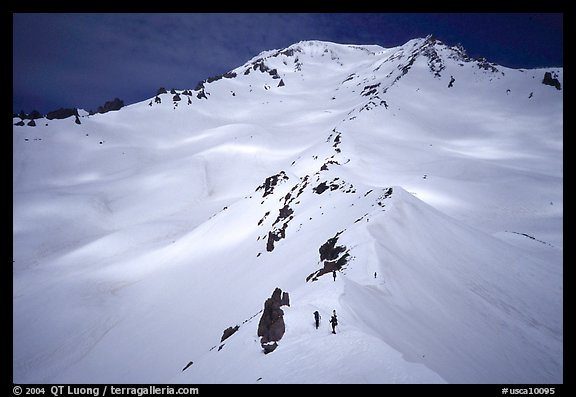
430, 180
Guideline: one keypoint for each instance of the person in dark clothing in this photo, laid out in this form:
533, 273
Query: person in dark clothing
334, 274
334, 322
317, 318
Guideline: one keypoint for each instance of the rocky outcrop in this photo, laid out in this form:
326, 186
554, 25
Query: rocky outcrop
228, 332
483, 64
285, 301
263, 68
34, 115
187, 365
116, 104
275, 236
201, 94
335, 257
271, 327
200, 87
271, 182
329, 250
228, 75
551, 81
285, 213
370, 90
62, 113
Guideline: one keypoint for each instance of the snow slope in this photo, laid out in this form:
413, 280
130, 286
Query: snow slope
140, 235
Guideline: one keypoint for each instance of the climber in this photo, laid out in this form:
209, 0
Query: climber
317, 318
334, 322
334, 274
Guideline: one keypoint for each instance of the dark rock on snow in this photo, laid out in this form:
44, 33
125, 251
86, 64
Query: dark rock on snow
271, 182
274, 236
33, 115
330, 253
188, 365
551, 81
269, 347
271, 327
229, 332
284, 213
329, 250
62, 113
199, 86
285, 301
109, 106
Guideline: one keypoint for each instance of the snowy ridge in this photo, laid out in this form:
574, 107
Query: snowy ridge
140, 235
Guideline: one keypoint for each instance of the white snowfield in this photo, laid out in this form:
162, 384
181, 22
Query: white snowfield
141, 234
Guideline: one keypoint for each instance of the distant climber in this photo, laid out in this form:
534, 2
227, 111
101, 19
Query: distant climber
374, 274
334, 274
317, 318
334, 322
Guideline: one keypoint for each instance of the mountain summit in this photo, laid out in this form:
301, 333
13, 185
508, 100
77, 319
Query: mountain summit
189, 238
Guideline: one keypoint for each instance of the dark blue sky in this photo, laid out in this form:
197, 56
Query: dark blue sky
83, 60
